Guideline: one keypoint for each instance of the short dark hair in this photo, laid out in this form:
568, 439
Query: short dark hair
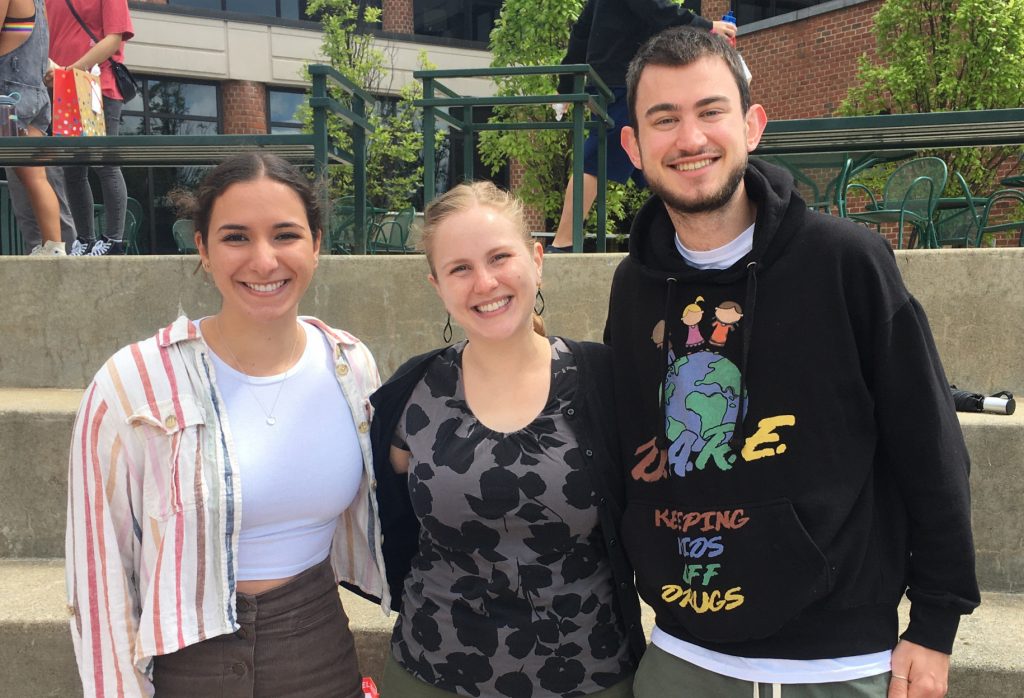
682, 46
245, 168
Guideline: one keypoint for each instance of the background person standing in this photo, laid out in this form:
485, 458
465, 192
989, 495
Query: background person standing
606, 35
72, 47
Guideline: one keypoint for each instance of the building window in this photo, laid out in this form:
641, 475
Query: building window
283, 110
285, 9
471, 20
753, 10
169, 106
166, 106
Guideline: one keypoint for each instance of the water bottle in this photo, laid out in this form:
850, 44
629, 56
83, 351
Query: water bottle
8, 114
730, 18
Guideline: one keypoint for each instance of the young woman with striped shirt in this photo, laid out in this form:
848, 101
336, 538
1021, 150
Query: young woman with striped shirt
220, 474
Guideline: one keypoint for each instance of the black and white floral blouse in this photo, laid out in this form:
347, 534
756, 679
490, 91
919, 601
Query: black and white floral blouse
511, 591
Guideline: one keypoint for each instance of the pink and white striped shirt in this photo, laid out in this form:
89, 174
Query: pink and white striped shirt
154, 507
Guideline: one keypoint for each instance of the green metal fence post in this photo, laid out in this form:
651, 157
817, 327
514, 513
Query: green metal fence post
320, 150
602, 178
359, 175
468, 150
577, 167
429, 152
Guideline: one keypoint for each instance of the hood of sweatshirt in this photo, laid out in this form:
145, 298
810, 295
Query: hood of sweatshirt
780, 212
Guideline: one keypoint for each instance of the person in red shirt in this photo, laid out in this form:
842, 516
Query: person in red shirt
72, 47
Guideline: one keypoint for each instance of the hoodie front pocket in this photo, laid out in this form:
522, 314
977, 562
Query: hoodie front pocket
730, 573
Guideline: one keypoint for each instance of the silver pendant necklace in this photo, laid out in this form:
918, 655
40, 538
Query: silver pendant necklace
268, 414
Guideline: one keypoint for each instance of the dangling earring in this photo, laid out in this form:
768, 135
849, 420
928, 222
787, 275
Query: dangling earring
446, 333
540, 300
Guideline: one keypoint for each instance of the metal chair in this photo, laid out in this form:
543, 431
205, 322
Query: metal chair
966, 225
911, 195
391, 236
343, 226
184, 231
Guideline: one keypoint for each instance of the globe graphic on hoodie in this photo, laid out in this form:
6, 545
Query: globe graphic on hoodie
701, 403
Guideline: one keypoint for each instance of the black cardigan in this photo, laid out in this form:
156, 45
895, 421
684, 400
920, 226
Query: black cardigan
592, 414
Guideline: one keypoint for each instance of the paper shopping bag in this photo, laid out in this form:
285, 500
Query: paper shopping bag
77, 104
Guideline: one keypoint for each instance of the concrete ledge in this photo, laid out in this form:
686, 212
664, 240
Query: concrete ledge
35, 428
37, 659
971, 296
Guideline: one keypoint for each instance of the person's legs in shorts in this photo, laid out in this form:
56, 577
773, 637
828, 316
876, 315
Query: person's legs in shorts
619, 168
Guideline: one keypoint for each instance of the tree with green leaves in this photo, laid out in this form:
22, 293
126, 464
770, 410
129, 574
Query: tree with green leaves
945, 55
529, 33
394, 172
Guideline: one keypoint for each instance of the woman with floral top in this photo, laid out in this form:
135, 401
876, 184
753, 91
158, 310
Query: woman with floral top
498, 484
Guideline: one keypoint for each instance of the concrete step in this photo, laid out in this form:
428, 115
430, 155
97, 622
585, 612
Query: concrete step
37, 659
971, 297
35, 430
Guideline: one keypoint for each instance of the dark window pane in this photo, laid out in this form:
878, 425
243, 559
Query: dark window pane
263, 8
131, 125
784, 6
173, 97
437, 17
285, 105
182, 127
204, 4
754, 10
484, 16
293, 9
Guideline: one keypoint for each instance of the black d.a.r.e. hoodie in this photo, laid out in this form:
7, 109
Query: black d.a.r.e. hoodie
796, 534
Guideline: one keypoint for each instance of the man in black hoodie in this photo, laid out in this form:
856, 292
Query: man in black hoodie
795, 464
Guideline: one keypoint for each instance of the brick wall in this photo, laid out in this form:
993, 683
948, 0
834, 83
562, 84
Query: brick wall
714, 9
534, 218
397, 16
244, 106
803, 69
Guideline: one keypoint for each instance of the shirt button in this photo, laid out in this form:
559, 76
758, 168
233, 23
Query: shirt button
363, 427
570, 412
613, 542
71, 611
373, 484
342, 370
589, 452
171, 422
239, 669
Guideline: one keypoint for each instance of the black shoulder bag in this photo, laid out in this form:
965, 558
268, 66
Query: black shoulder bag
126, 83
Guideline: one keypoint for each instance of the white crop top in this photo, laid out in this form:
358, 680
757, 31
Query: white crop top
299, 474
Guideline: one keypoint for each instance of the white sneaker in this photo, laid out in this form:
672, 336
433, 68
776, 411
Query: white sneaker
51, 248
80, 247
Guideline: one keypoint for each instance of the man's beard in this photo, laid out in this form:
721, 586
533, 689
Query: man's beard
712, 202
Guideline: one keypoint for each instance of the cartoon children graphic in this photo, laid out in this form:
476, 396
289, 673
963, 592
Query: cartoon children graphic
727, 315
692, 315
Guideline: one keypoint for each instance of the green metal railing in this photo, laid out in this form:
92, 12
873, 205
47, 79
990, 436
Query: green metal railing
588, 91
320, 103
